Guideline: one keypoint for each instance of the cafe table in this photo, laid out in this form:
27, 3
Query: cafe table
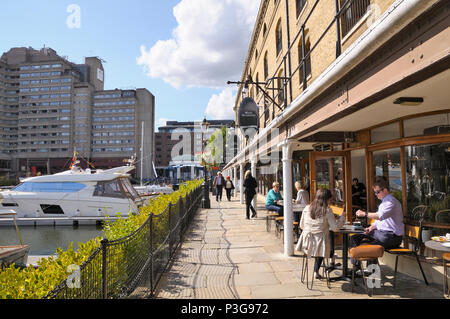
443, 247
346, 230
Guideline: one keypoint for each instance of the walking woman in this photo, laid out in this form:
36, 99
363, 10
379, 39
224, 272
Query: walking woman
317, 220
228, 187
250, 191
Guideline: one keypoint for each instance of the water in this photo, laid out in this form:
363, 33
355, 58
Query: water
44, 240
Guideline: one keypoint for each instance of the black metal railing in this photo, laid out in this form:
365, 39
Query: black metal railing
352, 13
131, 267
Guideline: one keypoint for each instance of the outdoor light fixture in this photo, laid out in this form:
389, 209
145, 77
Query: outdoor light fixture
412, 101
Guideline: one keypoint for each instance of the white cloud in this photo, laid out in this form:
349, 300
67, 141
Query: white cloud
208, 46
220, 106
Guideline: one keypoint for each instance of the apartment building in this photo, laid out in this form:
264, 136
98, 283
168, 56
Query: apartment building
345, 89
52, 107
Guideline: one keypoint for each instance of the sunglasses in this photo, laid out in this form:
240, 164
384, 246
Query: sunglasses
378, 191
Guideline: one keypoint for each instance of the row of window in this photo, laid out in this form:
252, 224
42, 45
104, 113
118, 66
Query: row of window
45, 111
114, 134
43, 66
109, 126
44, 81
102, 111
47, 96
116, 118
40, 150
114, 142
45, 89
113, 149
39, 74
128, 102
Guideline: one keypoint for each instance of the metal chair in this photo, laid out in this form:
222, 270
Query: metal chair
442, 216
269, 217
305, 272
411, 234
418, 212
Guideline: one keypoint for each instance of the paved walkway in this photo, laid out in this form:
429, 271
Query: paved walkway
226, 256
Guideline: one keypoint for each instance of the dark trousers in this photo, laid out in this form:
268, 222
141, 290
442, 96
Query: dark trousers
276, 208
228, 190
318, 260
248, 206
386, 239
219, 192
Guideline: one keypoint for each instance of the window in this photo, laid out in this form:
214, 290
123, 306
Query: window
385, 133
427, 169
279, 37
50, 187
387, 163
299, 5
280, 87
427, 125
352, 13
266, 67
307, 62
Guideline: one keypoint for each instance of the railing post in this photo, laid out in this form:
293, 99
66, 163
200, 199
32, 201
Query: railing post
151, 253
104, 243
170, 229
338, 30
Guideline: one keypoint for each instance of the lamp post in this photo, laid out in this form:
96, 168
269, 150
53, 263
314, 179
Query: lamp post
205, 186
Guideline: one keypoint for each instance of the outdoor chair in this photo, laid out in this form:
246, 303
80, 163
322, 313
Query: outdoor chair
365, 253
269, 217
280, 227
305, 271
412, 234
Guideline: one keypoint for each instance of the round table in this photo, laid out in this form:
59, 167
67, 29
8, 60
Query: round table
435, 245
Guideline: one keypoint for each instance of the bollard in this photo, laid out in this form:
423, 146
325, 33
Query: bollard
205, 200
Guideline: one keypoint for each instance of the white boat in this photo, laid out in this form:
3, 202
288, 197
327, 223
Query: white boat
74, 193
153, 190
13, 254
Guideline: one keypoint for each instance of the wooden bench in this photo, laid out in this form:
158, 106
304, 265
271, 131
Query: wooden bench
279, 222
269, 217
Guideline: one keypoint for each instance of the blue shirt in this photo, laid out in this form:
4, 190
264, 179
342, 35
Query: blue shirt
272, 196
390, 216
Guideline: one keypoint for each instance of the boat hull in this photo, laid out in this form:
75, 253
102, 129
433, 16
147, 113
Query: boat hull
17, 255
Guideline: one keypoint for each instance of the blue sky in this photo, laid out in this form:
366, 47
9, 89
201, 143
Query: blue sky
146, 44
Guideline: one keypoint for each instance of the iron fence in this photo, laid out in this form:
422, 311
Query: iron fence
131, 267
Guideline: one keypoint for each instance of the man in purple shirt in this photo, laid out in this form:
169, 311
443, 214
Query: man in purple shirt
388, 228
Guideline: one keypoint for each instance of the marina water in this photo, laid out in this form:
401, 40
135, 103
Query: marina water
44, 240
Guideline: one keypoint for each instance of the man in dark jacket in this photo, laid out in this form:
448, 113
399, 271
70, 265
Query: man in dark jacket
250, 191
219, 183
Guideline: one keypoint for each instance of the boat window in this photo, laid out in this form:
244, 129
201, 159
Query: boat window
109, 189
50, 187
52, 209
129, 189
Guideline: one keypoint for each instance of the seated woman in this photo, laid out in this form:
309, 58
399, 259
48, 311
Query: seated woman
302, 198
273, 196
316, 222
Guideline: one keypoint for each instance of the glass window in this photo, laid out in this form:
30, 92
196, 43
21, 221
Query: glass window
428, 182
427, 125
109, 189
385, 133
387, 163
129, 189
50, 187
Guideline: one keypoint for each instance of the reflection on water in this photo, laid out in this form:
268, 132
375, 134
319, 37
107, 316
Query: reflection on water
44, 240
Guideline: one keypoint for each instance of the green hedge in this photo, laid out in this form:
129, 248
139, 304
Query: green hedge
31, 283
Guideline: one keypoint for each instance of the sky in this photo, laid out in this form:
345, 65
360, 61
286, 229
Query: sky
182, 51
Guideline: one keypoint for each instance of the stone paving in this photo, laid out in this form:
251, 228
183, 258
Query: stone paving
226, 256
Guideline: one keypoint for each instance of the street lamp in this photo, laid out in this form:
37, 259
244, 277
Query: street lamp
205, 186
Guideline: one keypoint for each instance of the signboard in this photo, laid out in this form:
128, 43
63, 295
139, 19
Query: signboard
248, 115
100, 74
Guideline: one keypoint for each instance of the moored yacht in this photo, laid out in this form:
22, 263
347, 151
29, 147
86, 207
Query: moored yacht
74, 193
